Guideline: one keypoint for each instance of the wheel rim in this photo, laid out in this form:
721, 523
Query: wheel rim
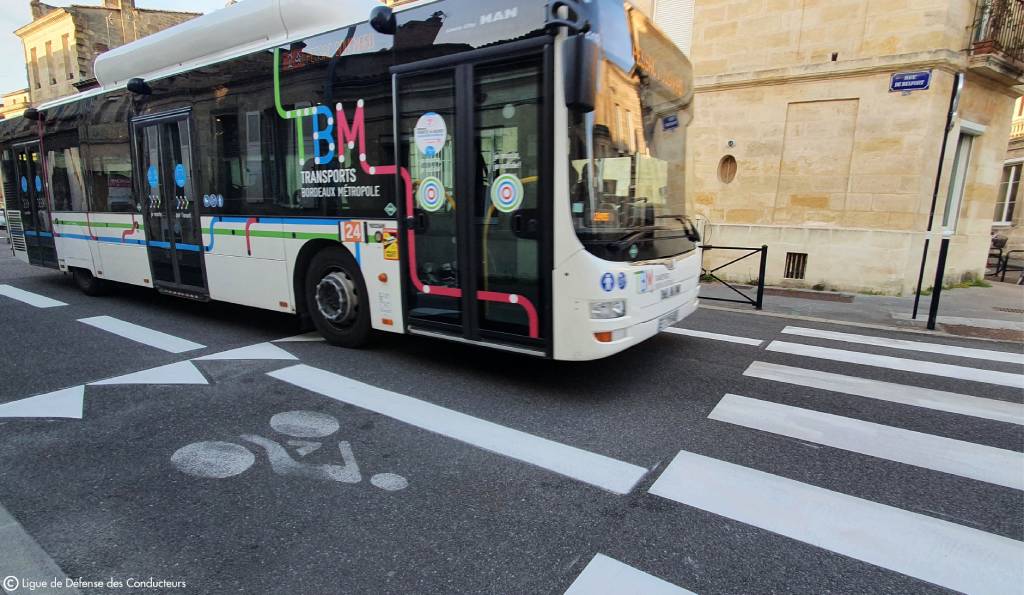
337, 298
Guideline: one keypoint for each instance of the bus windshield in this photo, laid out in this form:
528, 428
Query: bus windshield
627, 156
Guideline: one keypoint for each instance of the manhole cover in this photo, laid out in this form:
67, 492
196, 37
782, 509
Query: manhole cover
1010, 310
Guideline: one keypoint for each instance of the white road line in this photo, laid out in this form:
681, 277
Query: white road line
927, 548
142, 334
260, 351
67, 403
32, 299
177, 373
598, 470
985, 354
715, 336
608, 576
966, 459
24, 559
938, 400
896, 363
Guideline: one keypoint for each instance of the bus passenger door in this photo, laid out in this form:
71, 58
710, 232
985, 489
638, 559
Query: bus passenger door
33, 202
472, 140
173, 227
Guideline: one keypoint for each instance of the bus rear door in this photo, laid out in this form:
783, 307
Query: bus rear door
173, 227
32, 200
474, 139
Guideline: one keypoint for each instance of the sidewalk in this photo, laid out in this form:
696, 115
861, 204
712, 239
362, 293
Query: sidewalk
995, 312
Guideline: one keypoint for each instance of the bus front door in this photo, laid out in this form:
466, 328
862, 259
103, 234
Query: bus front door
473, 138
33, 202
173, 226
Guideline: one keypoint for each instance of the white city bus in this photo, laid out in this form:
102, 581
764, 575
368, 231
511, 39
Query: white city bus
506, 174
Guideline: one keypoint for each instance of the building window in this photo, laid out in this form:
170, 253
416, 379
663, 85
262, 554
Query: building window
957, 181
66, 43
35, 69
796, 265
49, 63
727, 169
1007, 199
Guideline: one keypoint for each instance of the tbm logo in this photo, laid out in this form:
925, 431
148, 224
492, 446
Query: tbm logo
501, 15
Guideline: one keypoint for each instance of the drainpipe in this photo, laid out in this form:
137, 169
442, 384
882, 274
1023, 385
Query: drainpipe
954, 106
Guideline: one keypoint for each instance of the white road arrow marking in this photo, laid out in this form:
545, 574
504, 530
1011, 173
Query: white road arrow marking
65, 403
264, 351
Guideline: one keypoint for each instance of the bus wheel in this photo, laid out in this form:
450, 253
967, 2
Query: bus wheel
89, 284
336, 298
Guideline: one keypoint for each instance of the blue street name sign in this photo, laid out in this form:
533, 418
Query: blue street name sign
910, 81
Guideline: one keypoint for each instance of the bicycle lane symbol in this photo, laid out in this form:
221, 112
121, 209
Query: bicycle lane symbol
221, 460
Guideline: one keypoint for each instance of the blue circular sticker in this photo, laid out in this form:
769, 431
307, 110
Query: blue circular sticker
622, 280
24, 184
152, 176
607, 282
220, 201
206, 200
39, 184
179, 175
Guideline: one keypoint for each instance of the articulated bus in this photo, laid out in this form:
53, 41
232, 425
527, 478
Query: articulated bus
504, 174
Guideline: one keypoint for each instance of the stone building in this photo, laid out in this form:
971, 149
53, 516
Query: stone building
1008, 219
13, 103
799, 142
61, 43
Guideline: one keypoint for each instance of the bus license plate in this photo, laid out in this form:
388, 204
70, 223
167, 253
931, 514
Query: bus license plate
668, 320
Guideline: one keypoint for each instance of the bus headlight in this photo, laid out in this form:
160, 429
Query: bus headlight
607, 310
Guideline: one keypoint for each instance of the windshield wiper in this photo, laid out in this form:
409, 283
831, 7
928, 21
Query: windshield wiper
691, 230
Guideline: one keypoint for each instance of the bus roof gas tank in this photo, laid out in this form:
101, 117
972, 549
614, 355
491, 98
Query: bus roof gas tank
232, 31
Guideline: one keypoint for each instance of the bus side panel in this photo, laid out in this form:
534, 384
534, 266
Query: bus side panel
72, 251
110, 245
376, 252
379, 255
245, 262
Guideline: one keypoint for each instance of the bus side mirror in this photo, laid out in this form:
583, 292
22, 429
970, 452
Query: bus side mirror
33, 114
581, 58
382, 19
139, 87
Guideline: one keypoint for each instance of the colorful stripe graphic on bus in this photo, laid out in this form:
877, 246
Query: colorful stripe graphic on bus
507, 193
430, 194
333, 132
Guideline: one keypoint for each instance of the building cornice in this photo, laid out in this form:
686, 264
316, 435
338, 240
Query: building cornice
44, 21
945, 60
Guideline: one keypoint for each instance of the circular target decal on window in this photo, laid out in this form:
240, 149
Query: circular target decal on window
507, 193
430, 194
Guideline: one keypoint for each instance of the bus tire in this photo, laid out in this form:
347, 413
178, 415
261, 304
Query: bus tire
336, 298
89, 283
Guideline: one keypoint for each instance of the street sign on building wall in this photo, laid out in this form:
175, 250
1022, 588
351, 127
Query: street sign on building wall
910, 81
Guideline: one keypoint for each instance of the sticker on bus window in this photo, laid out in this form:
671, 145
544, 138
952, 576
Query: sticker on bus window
507, 193
180, 177
24, 184
430, 194
390, 244
352, 231
431, 133
152, 176
39, 184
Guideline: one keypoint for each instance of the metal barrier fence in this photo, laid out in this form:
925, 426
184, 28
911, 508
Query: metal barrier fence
758, 301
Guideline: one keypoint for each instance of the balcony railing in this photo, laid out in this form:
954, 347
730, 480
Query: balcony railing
999, 29
1017, 129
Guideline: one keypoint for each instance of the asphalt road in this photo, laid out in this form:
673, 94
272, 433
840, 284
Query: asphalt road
845, 464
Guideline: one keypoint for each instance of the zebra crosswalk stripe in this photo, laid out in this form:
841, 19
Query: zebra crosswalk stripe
940, 348
896, 363
924, 547
916, 396
957, 457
